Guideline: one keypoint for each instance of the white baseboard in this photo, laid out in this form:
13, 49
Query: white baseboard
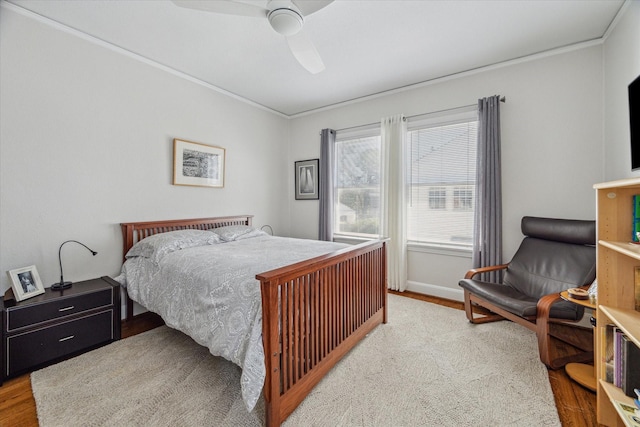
436, 291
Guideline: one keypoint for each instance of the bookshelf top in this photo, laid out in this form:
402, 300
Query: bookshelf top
628, 182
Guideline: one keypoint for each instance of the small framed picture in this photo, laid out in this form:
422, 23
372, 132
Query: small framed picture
25, 282
307, 180
197, 164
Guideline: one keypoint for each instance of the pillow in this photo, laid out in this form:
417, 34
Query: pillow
157, 246
232, 233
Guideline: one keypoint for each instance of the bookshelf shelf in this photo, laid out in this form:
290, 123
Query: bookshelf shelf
629, 249
614, 393
616, 265
627, 320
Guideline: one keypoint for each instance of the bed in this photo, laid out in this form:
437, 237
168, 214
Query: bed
313, 311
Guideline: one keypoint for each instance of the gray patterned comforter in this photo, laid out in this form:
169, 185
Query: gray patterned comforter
211, 294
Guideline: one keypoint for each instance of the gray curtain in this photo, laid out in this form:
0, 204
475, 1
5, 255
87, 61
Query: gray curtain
487, 239
327, 160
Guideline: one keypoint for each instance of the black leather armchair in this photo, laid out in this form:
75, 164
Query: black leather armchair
555, 255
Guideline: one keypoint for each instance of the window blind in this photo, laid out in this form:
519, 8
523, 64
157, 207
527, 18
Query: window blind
442, 159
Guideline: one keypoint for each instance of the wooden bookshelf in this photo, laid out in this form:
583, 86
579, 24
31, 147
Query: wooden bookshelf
617, 260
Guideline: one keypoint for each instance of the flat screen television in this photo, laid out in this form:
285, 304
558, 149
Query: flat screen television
634, 122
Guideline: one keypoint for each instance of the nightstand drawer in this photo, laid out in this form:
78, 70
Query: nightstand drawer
30, 349
65, 306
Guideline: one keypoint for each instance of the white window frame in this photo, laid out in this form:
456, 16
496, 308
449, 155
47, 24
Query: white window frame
366, 131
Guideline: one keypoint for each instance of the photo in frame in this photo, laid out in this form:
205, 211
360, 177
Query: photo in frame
306, 179
197, 164
25, 282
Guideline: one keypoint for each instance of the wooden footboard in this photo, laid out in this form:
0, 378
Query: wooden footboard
313, 313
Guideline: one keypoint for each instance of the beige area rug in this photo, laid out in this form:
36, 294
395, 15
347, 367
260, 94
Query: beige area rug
427, 367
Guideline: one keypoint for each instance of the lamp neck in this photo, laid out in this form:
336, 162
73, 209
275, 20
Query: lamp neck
94, 253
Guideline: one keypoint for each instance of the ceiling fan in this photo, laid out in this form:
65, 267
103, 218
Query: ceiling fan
285, 16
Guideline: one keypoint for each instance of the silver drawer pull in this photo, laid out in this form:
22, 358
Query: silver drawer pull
66, 338
66, 308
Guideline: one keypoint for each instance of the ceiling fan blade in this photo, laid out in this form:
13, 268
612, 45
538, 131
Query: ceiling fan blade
307, 7
305, 52
228, 7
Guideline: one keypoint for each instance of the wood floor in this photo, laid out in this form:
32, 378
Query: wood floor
576, 405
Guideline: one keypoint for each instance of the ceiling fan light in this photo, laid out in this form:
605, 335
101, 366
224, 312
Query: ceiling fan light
285, 21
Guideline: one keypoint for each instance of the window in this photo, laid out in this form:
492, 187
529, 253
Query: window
442, 158
463, 198
442, 173
357, 183
437, 198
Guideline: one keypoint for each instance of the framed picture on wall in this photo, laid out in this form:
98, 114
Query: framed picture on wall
25, 282
197, 164
306, 178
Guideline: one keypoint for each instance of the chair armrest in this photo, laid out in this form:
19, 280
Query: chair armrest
545, 303
479, 270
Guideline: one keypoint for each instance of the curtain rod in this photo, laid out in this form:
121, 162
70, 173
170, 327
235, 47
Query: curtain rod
502, 99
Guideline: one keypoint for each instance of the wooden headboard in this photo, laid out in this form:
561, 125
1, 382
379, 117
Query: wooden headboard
133, 232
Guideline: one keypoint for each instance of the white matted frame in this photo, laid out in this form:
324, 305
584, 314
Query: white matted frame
197, 164
25, 282
306, 174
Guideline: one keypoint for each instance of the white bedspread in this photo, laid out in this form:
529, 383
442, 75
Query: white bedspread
211, 294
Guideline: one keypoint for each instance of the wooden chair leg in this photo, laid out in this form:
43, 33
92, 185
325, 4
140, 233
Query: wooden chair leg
543, 334
542, 327
468, 309
544, 348
584, 357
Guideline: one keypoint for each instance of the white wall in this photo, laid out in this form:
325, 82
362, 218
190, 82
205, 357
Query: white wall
551, 140
621, 67
86, 143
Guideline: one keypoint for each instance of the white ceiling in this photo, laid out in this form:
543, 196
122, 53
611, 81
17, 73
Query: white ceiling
368, 47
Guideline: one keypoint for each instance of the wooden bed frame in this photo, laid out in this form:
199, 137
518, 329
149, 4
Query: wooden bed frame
313, 312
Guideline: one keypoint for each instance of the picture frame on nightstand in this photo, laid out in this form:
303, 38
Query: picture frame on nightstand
25, 282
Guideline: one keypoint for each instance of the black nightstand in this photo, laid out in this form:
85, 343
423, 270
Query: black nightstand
57, 325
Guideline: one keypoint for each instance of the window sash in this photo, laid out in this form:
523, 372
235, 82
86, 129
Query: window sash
357, 183
442, 152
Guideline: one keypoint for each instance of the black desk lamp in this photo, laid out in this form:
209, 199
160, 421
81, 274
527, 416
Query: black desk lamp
63, 284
